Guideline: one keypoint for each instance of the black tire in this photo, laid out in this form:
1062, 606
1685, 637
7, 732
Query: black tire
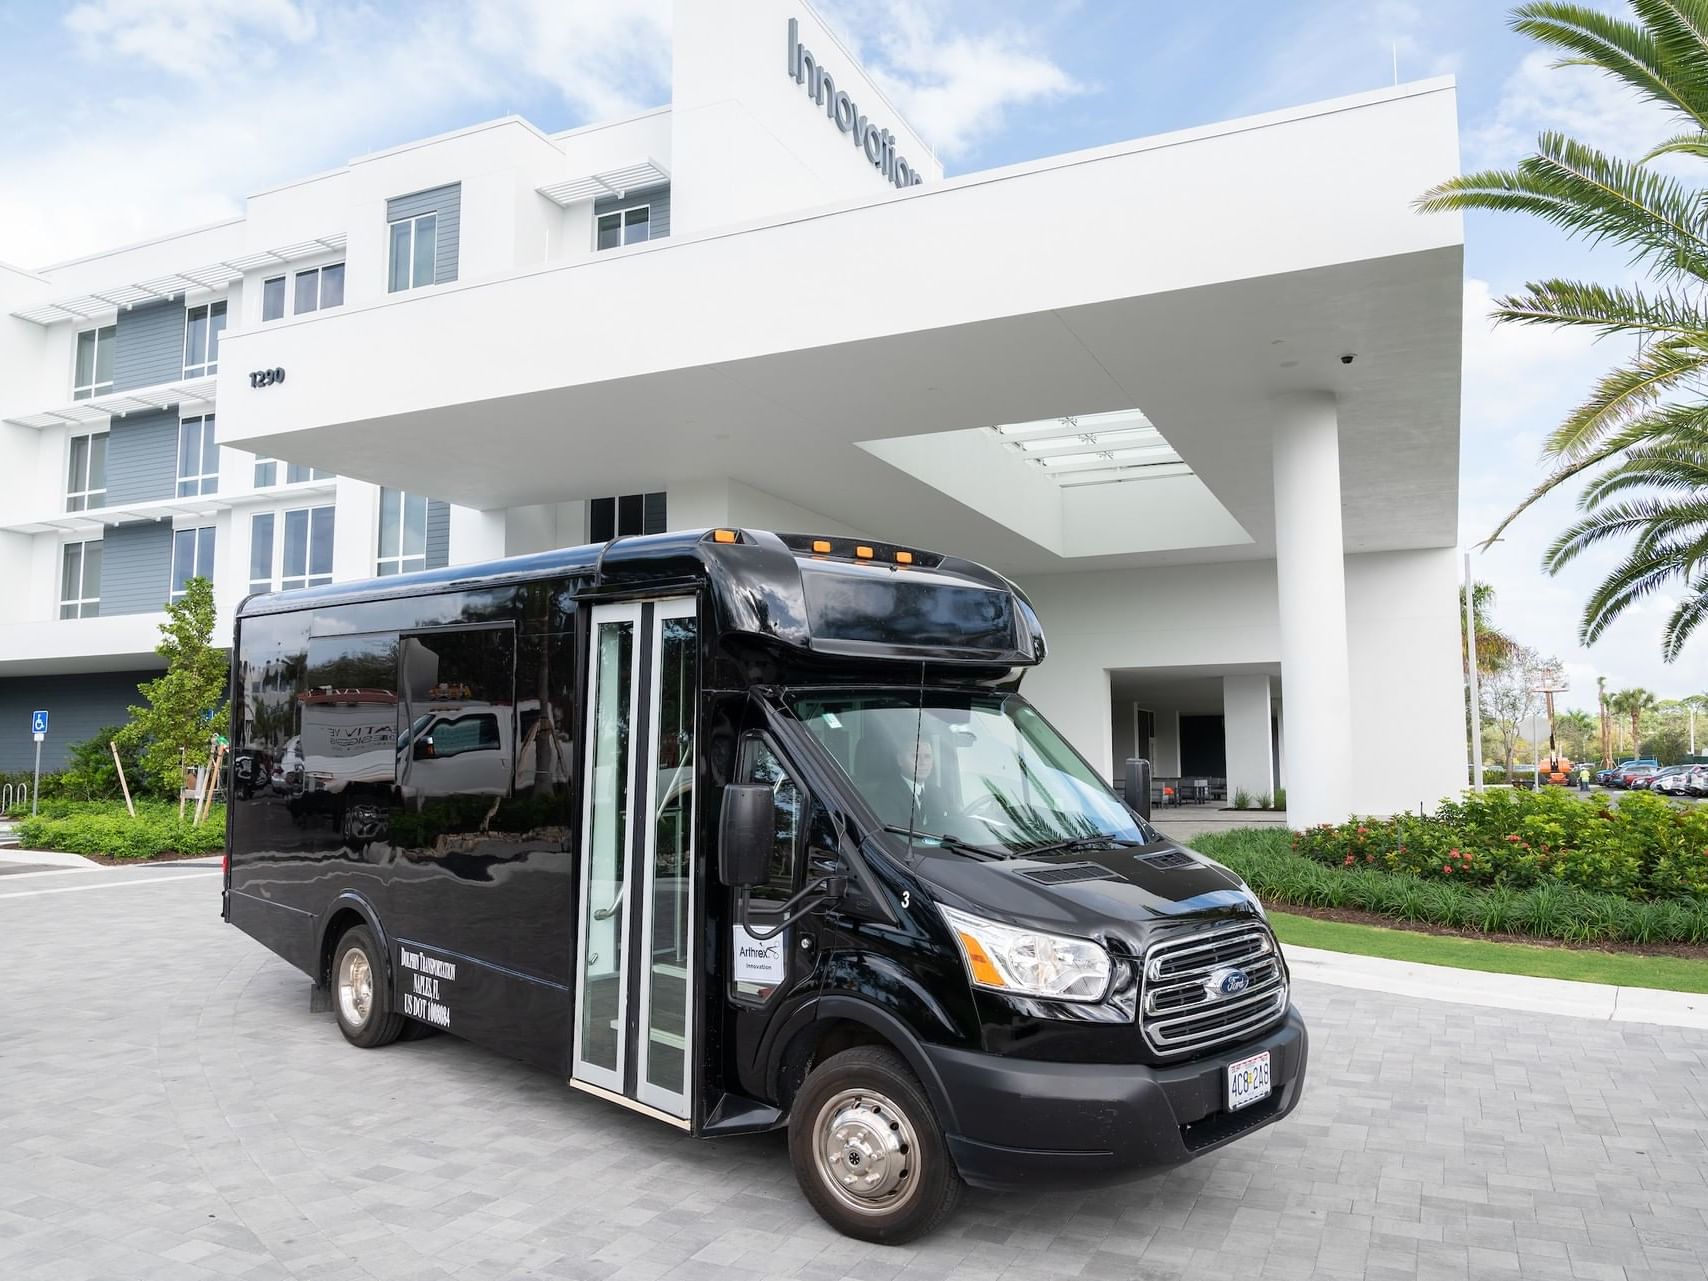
883, 1104
372, 1023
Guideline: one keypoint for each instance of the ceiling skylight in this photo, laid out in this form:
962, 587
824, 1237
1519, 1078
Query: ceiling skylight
1094, 449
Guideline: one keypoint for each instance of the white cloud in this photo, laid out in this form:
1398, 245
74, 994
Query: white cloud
958, 88
153, 155
186, 36
1581, 102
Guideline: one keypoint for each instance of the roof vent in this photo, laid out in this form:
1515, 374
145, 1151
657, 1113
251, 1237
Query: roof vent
1168, 858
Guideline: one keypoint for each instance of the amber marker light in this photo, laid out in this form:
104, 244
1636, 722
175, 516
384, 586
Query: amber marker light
983, 968
723, 536
904, 558
821, 545
864, 553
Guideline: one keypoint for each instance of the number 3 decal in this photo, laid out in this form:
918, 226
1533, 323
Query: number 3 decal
906, 899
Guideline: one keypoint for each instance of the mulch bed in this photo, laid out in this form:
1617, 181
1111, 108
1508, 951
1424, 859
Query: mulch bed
1352, 916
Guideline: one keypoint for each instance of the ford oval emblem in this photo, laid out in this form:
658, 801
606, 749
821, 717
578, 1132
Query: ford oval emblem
1228, 982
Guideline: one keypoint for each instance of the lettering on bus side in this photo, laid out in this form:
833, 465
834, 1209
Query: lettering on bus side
430, 979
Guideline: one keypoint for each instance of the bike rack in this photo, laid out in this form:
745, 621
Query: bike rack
13, 794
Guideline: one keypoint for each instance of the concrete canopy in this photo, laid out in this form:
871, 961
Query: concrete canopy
1194, 276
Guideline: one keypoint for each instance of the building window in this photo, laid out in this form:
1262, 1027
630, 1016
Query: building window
414, 248
198, 457
403, 533
267, 473
306, 554
86, 479
202, 327
319, 288
192, 557
272, 298
299, 541
80, 581
93, 375
625, 227
261, 526
609, 518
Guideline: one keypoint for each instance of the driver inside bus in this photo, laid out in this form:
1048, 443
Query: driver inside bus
901, 785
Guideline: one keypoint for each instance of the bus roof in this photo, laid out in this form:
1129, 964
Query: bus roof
829, 595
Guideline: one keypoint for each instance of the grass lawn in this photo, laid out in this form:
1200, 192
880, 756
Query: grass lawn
1673, 973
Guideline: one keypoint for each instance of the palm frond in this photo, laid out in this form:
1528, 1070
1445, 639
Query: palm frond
1686, 618
1625, 518
1625, 50
1658, 469
1659, 425
1624, 392
1684, 144
1588, 193
1610, 309
1631, 582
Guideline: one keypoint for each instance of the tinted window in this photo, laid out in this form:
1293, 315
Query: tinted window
761, 764
457, 703
349, 712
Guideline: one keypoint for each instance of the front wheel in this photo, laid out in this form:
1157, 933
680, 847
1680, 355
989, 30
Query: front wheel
867, 1149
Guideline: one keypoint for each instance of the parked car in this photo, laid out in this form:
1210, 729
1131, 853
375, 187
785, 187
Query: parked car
1696, 781
1671, 780
1634, 776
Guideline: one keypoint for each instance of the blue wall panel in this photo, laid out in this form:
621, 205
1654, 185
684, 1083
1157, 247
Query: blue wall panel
77, 707
149, 345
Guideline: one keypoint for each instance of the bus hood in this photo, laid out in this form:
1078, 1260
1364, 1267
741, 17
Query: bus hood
1092, 891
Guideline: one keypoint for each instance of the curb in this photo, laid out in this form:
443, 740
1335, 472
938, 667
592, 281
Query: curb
1500, 991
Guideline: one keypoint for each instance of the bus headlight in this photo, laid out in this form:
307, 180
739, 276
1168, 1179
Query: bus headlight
1026, 962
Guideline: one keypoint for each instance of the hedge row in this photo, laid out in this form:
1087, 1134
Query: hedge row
1549, 909
1643, 847
104, 828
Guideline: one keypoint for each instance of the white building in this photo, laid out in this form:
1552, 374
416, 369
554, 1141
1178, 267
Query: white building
1198, 393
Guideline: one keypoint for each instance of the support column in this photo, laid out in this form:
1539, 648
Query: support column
1310, 568
1245, 730
476, 535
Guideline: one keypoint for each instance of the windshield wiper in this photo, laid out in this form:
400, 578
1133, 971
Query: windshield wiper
1088, 842
948, 842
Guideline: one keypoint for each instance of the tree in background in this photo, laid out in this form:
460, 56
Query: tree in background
1575, 731
1648, 417
1509, 699
186, 705
1633, 703
1666, 731
1606, 723
1494, 647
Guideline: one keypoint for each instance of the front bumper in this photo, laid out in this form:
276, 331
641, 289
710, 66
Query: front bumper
1018, 1122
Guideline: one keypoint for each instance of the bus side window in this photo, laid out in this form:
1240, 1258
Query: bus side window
760, 764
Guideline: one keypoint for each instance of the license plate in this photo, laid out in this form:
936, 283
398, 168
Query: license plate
1248, 1081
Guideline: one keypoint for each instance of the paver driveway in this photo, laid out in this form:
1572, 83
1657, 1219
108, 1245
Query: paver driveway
169, 1108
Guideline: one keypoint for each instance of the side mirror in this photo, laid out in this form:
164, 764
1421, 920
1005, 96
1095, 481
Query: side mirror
746, 828
424, 749
1136, 787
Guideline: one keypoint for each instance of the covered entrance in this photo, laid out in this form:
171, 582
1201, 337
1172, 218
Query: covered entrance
1210, 733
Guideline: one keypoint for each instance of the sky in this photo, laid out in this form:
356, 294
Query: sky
123, 119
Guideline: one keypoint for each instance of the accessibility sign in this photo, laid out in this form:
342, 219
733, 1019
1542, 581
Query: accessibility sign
38, 723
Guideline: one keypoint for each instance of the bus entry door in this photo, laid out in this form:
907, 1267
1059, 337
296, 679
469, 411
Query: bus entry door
634, 978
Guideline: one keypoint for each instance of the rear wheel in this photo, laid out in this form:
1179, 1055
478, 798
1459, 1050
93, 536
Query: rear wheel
360, 995
867, 1149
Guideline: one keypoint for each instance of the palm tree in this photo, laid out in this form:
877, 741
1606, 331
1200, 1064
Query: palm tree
1606, 723
1494, 647
1648, 415
1633, 703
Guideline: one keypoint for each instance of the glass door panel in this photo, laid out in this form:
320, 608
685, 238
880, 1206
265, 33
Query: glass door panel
601, 977
667, 1004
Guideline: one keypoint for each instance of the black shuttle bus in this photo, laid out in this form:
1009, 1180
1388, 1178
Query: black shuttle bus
747, 831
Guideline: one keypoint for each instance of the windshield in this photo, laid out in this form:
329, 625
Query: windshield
973, 769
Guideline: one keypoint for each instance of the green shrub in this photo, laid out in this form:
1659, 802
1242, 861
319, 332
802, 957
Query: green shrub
1241, 800
1547, 906
1645, 847
97, 828
1280, 798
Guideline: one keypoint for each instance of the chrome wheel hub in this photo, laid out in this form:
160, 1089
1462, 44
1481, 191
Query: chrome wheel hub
355, 987
866, 1151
